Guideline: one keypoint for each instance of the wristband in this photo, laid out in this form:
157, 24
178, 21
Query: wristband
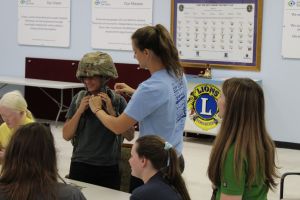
97, 110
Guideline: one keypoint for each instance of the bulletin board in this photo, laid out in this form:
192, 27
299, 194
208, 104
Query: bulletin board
218, 33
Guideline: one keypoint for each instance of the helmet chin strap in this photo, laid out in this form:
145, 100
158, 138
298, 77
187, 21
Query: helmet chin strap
104, 81
103, 88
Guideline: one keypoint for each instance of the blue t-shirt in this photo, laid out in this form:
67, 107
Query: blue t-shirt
159, 105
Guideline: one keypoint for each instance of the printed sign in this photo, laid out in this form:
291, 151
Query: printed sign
44, 23
202, 104
291, 29
113, 22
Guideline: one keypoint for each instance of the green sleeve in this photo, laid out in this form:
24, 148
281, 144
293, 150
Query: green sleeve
230, 184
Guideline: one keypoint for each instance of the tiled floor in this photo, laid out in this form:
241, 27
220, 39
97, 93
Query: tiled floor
196, 153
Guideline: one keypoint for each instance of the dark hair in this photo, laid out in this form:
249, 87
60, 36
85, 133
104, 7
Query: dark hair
152, 147
159, 40
244, 127
29, 170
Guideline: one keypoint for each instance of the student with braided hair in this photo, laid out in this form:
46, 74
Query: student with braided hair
155, 162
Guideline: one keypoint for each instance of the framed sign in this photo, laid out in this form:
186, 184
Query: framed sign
218, 33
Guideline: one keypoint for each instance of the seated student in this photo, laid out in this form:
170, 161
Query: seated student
155, 162
242, 161
30, 167
14, 112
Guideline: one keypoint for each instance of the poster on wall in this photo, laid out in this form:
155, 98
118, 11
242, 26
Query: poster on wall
202, 107
221, 33
202, 113
113, 22
44, 23
291, 29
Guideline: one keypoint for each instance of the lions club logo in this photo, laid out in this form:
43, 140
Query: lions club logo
202, 104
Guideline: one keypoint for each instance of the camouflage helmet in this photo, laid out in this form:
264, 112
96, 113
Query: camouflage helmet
96, 64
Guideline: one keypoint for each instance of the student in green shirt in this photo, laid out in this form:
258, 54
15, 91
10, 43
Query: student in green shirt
242, 161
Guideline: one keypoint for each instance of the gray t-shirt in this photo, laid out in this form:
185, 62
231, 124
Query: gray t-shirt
65, 192
95, 144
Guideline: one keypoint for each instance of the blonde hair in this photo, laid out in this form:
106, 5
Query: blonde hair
15, 101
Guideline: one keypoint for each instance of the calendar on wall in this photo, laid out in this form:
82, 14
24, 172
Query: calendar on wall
218, 33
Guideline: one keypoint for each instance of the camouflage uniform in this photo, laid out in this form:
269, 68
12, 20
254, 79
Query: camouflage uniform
96, 150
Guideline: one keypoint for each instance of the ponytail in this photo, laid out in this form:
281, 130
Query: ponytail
168, 52
163, 158
159, 40
172, 174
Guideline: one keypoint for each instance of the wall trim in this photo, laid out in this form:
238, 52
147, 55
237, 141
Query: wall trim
287, 145
210, 138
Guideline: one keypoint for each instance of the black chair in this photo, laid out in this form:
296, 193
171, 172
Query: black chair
282, 182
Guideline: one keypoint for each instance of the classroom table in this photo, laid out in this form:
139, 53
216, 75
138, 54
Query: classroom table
95, 192
39, 83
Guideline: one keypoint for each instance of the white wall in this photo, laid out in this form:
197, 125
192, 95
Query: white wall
279, 75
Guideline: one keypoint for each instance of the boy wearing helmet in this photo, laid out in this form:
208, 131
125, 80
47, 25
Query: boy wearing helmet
96, 150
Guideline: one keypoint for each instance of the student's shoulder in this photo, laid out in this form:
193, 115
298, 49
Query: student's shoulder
2, 126
80, 94
69, 192
142, 192
154, 85
151, 188
4, 130
158, 190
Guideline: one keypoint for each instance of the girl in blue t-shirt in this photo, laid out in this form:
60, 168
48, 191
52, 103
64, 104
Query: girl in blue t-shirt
159, 103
